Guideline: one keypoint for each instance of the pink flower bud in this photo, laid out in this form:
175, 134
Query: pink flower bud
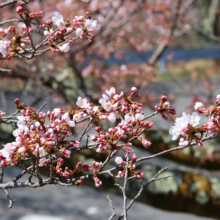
166, 105
157, 108
71, 124
128, 150
133, 90
146, 143
16, 101
118, 160
60, 161
163, 98
112, 117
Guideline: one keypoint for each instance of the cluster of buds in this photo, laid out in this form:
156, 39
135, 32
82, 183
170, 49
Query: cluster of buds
34, 137
12, 43
97, 181
108, 140
42, 136
96, 167
26, 15
68, 172
164, 107
130, 168
131, 123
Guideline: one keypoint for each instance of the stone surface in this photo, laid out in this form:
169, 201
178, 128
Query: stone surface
73, 203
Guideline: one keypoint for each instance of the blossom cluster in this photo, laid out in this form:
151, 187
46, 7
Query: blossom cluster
34, 137
186, 125
13, 42
42, 137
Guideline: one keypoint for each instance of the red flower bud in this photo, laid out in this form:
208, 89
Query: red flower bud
163, 98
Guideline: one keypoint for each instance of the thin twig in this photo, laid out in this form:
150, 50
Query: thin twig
112, 217
1, 174
41, 107
11, 201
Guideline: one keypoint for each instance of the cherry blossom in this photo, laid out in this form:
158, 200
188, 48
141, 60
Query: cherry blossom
81, 102
64, 48
91, 25
194, 119
58, 20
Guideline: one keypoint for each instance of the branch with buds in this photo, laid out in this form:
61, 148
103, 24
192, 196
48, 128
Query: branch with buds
43, 139
23, 44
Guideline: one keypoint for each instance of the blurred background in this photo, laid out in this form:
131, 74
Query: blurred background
162, 47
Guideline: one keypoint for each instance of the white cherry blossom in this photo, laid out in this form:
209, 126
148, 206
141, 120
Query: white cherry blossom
107, 105
58, 20
180, 124
104, 99
42, 154
65, 117
111, 91
81, 102
76, 117
91, 24
194, 119
128, 119
64, 48
78, 31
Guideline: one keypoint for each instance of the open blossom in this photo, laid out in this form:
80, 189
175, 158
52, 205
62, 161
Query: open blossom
57, 111
58, 20
111, 92
107, 105
64, 48
76, 117
96, 109
180, 124
81, 102
91, 24
65, 117
104, 99
42, 154
78, 31
47, 33
128, 119
194, 119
